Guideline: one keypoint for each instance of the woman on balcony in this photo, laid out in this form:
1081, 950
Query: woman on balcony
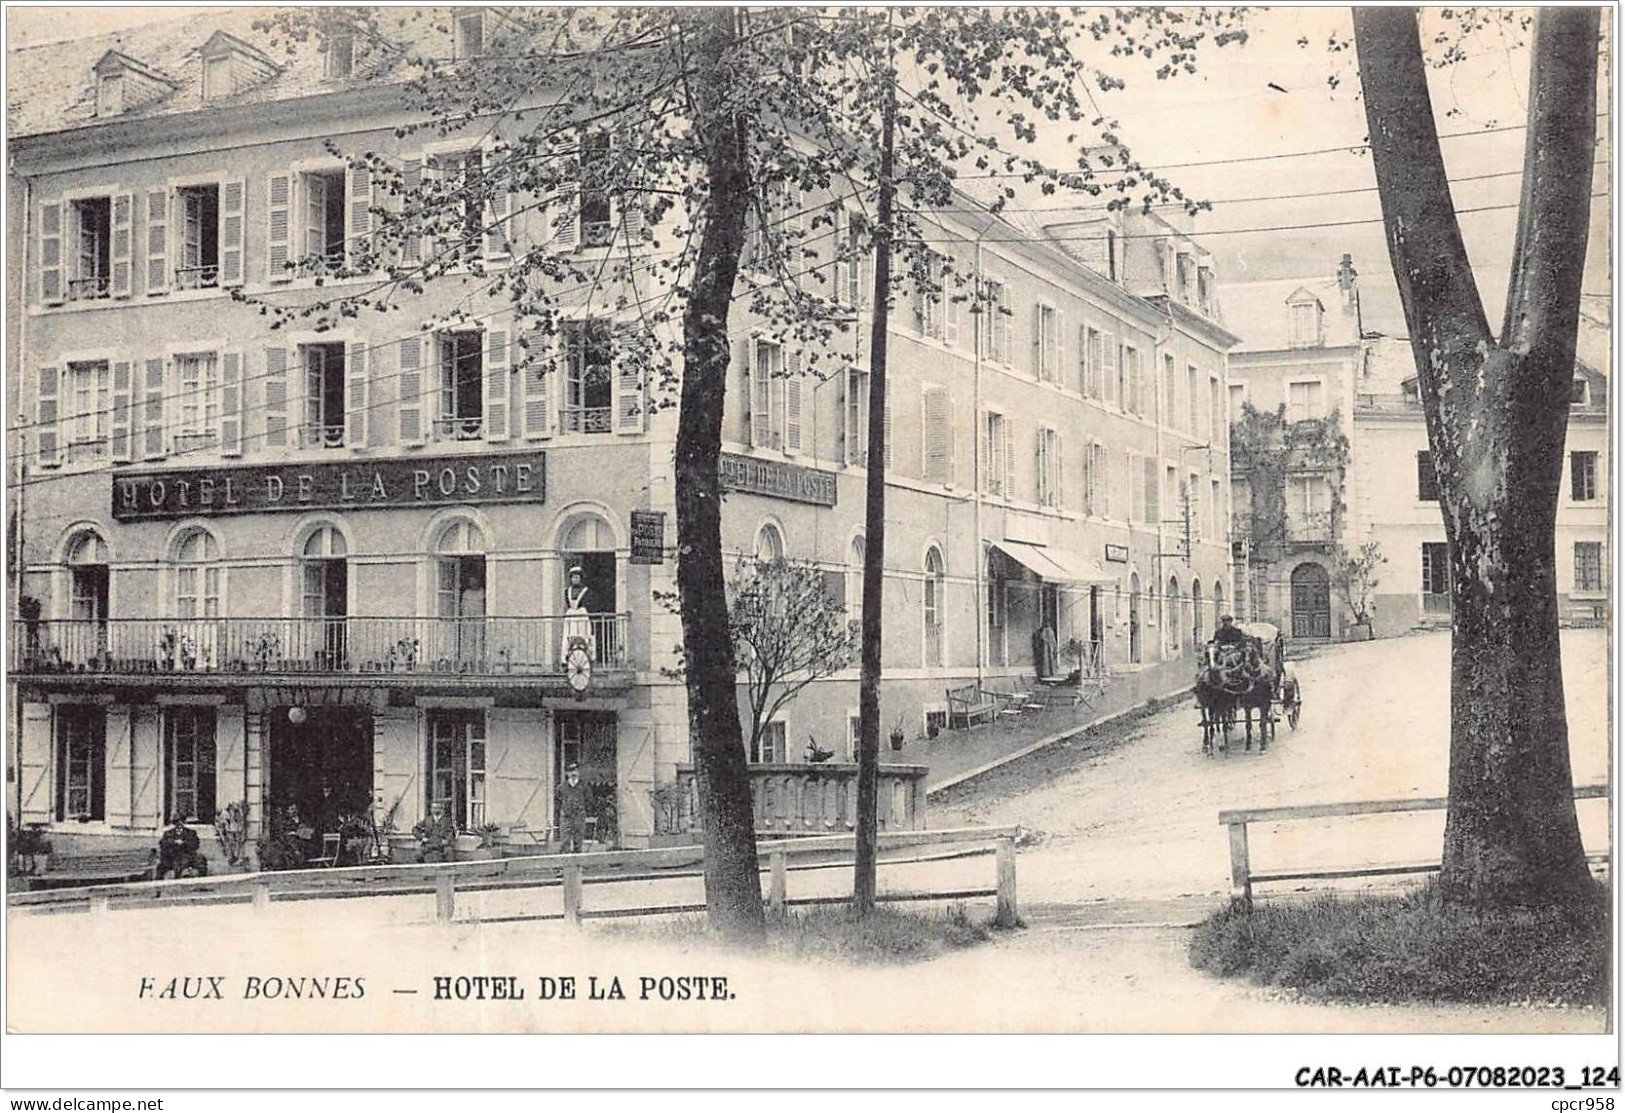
578, 603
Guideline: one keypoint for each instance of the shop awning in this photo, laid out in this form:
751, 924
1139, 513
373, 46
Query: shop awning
1055, 565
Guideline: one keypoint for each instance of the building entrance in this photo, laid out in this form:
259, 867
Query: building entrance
332, 747
587, 739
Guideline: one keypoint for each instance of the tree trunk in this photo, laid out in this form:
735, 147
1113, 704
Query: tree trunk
1497, 413
733, 890
874, 530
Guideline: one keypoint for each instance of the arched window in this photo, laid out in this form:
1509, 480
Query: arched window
935, 574
1218, 602
87, 570
1197, 627
854, 579
1170, 606
460, 591
196, 557
769, 543
325, 591
1134, 618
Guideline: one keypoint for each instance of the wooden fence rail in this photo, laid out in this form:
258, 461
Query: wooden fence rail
569, 872
1243, 877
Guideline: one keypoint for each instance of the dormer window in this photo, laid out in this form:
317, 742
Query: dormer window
110, 94
470, 34
1579, 392
340, 56
1303, 324
217, 77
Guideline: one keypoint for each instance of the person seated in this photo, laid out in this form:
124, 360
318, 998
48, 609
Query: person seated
1228, 632
178, 854
436, 833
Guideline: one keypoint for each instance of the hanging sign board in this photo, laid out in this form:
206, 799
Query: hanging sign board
648, 534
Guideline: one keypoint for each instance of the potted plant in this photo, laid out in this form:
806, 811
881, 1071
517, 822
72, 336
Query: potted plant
669, 802
897, 735
491, 837
465, 847
30, 849
231, 828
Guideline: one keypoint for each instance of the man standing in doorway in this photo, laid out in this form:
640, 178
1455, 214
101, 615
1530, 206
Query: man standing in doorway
570, 808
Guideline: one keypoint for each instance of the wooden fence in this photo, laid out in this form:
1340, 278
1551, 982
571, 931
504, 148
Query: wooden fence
571, 872
1243, 877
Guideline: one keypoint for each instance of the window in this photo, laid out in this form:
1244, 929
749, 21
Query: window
1215, 410
217, 77
1193, 400
937, 442
1583, 476
766, 394
457, 766
340, 55
462, 372
189, 764
88, 586
996, 611
323, 426
1588, 566
1094, 358
1307, 494
1303, 324
197, 576
1049, 468
1133, 388
597, 218
857, 417
769, 543
1094, 480
325, 595
1170, 393
1427, 480
92, 229
1580, 392
470, 34
323, 221
87, 389
1238, 399
935, 579
81, 763
1215, 511
197, 379
854, 579
931, 294
996, 331
1304, 401
997, 458
1435, 568
1046, 344
462, 174
588, 354
110, 94
771, 746
198, 210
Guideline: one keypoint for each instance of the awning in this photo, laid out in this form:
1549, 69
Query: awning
1054, 565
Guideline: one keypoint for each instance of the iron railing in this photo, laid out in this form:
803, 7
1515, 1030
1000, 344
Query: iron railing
197, 278
490, 645
585, 419
92, 288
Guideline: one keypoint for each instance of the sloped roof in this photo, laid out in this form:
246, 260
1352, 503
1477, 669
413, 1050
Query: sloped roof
50, 86
1257, 312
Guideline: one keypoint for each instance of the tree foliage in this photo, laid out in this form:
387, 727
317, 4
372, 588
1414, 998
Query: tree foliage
1356, 578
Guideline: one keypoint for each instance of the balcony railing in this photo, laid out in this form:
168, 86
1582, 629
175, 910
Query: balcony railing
313, 434
197, 278
92, 288
585, 419
459, 428
494, 646
822, 799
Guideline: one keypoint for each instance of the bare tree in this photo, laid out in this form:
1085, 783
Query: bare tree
1497, 410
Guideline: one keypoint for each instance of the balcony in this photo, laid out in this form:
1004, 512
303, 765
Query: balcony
367, 647
796, 798
585, 419
93, 288
1309, 528
459, 428
197, 278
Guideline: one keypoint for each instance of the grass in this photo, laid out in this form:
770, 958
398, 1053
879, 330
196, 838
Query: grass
1414, 948
830, 932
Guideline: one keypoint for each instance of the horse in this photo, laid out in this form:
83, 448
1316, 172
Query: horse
1235, 677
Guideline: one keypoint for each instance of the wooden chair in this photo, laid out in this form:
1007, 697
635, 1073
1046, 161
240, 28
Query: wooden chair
329, 856
967, 704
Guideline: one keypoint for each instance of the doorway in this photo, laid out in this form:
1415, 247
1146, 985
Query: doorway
587, 739
1134, 618
331, 746
1311, 602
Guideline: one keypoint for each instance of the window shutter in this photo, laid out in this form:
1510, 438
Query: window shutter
761, 398
950, 306
498, 209
1003, 332
792, 406
409, 407
1108, 367
357, 394
358, 225
1058, 366
934, 443
52, 290
630, 206
866, 276
1058, 471
123, 247
496, 385
278, 203
233, 196
949, 470
841, 267
276, 397
411, 207
120, 795
231, 404
122, 448
1039, 371
157, 241
536, 385
1153, 489
152, 446
1008, 427
564, 206
49, 407
844, 435
629, 395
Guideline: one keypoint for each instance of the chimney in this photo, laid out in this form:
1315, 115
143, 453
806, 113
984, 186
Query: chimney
1346, 276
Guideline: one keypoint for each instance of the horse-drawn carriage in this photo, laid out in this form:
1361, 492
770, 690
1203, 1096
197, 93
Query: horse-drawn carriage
1241, 678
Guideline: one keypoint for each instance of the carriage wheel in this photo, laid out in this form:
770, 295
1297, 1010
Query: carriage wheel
1292, 710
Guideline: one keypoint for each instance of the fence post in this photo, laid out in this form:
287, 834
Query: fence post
778, 879
262, 895
445, 897
572, 895
1241, 879
99, 904
1007, 917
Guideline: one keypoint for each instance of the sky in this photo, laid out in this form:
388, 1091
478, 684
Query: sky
1267, 97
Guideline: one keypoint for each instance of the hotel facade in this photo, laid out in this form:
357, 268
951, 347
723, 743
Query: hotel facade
256, 561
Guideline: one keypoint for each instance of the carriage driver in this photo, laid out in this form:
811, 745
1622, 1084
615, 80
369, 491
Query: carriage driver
1228, 632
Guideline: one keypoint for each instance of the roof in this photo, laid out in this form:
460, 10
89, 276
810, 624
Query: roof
1257, 312
50, 86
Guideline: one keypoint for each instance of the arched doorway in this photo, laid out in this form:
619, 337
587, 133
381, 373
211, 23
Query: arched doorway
1134, 618
1218, 603
1171, 623
1311, 602
459, 583
1197, 626
588, 543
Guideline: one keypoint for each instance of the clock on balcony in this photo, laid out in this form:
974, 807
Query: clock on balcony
578, 666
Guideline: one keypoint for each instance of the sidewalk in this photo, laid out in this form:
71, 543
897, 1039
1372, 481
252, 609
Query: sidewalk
955, 755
